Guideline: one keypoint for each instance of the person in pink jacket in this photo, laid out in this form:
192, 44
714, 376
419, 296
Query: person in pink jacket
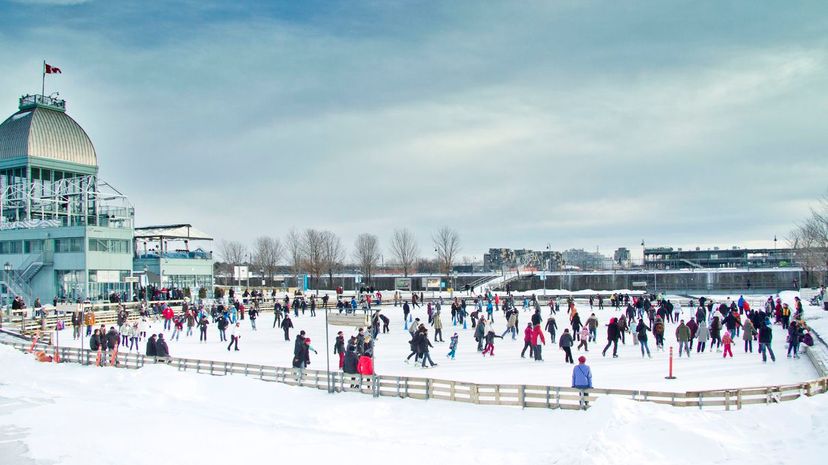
727, 341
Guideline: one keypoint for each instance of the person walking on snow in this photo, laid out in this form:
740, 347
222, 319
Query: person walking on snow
490, 337
453, 346
565, 344
703, 335
612, 338
683, 338
641, 335
234, 336
527, 341
584, 339
727, 341
748, 333
537, 340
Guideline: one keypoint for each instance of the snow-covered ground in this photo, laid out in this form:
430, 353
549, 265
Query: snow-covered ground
74, 415
702, 371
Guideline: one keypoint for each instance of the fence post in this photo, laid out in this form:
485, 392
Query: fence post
727, 400
427, 388
701, 400
557, 397
522, 395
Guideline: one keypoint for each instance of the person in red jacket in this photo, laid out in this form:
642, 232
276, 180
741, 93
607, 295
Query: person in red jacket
537, 335
527, 341
168, 314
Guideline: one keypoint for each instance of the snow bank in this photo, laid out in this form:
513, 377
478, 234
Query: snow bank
70, 414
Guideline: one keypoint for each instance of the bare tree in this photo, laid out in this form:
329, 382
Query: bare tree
447, 247
232, 252
809, 242
367, 253
267, 254
333, 253
313, 253
404, 249
293, 244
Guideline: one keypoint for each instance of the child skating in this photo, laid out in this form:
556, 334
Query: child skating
452, 346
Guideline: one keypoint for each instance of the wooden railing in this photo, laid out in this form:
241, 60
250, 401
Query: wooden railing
519, 395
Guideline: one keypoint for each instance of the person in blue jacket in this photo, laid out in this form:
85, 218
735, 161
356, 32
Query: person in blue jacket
582, 379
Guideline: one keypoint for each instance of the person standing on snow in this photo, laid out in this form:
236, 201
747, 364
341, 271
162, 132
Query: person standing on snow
582, 379
765, 338
703, 335
683, 338
234, 336
565, 344
727, 341
537, 339
641, 335
748, 333
286, 325
453, 346
612, 338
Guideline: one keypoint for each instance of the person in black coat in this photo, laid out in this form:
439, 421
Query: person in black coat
161, 349
286, 325
339, 348
112, 338
351, 358
299, 345
95, 341
151, 346
612, 338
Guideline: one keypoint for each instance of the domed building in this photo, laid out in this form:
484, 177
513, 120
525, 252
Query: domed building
64, 233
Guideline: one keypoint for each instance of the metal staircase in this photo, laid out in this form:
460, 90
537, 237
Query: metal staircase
18, 281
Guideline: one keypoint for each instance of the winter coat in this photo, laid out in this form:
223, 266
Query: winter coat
727, 339
537, 333
584, 333
512, 320
112, 339
748, 331
612, 330
683, 333
151, 346
286, 324
339, 345
703, 333
351, 361
565, 340
551, 325
592, 322
89, 319
765, 335
694, 327
641, 331
161, 349
581, 377
95, 342
438, 323
527, 334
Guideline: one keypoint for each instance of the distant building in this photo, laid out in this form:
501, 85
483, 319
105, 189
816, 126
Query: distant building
622, 256
585, 260
503, 258
667, 258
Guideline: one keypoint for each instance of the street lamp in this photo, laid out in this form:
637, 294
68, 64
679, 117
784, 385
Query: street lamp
7, 268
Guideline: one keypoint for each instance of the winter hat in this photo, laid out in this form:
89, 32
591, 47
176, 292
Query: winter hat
307, 340
581, 359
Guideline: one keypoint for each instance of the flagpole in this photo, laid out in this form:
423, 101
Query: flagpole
43, 77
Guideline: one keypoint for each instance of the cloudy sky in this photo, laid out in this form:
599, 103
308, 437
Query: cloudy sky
572, 123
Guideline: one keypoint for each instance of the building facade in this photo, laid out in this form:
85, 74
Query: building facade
64, 233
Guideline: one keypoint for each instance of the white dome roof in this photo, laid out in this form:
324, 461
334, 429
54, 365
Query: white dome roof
41, 132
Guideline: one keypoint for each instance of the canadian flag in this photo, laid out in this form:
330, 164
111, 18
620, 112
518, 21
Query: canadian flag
52, 70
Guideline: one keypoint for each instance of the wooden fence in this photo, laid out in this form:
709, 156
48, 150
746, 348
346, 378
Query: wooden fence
518, 395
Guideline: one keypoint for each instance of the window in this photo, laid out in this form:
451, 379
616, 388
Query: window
11, 247
33, 246
69, 245
109, 245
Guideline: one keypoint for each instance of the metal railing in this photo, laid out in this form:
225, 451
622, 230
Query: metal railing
518, 395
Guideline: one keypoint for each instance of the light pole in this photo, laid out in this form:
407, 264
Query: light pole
7, 268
